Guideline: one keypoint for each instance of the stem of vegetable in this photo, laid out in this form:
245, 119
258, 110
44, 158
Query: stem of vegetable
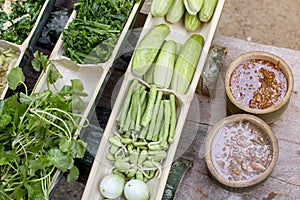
173, 118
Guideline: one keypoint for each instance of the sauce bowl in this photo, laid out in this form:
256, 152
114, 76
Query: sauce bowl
241, 152
258, 83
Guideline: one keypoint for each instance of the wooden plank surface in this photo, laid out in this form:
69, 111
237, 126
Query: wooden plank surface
284, 182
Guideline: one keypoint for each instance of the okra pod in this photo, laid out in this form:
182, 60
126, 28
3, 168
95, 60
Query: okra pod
158, 123
173, 118
123, 113
150, 105
167, 116
110, 157
154, 115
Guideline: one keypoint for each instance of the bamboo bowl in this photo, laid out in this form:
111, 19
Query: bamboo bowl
239, 164
269, 114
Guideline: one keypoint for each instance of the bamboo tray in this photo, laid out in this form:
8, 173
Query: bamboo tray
101, 165
23, 49
57, 53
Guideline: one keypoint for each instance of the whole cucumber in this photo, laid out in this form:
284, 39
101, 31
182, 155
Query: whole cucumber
148, 48
191, 22
186, 63
193, 6
207, 10
164, 65
159, 8
175, 12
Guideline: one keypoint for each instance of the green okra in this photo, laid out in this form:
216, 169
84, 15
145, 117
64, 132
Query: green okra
173, 119
126, 140
110, 157
154, 115
166, 126
123, 113
150, 105
158, 123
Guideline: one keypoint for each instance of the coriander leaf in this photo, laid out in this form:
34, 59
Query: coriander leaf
73, 174
15, 78
35, 190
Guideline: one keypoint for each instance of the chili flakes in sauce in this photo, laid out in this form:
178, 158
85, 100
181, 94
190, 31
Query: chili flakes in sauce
258, 84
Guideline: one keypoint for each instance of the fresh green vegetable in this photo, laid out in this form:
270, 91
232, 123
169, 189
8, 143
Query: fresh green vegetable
92, 35
207, 10
186, 63
173, 118
138, 153
150, 105
175, 12
193, 6
163, 68
148, 48
112, 186
159, 8
191, 22
17, 18
136, 190
37, 136
7, 57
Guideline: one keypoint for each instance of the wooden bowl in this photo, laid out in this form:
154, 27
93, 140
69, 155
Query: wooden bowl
245, 91
241, 152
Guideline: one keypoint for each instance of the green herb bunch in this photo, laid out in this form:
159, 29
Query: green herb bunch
37, 134
21, 19
92, 35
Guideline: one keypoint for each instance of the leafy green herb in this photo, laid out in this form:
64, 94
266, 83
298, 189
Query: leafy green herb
20, 20
37, 135
92, 35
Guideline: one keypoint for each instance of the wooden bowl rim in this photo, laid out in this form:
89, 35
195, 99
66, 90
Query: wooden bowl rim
256, 121
266, 56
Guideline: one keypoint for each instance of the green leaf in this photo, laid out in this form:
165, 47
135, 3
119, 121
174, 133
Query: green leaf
65, 145
20, 193
39, 61
77, 102
53, 74
35, 190
15, 78
78, 87
59, 160
80, 148
4, 120
73, 174
6, 156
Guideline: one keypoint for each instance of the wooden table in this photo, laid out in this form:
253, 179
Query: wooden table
284, 182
